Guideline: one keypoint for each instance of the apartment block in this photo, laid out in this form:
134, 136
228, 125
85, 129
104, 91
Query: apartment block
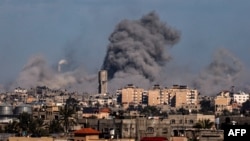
240, 97
222, 102
131, 95
181, 95
154, 96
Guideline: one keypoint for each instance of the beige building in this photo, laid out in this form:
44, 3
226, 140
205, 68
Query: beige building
102, 113
178, 96
131, 95
184, 96
154, 96
223, 102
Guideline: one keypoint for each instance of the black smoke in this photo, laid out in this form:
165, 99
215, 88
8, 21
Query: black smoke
138, 47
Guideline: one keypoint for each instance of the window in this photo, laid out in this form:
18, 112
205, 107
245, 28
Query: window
191, 121
172, 121
150, 130
180, 121
164, 130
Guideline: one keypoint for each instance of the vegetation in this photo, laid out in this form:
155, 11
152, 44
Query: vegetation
245, 108
204, 124
67, 114
206, 106
29, 125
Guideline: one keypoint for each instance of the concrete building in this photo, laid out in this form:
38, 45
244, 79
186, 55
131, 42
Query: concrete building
223, 102
103, 82
240, 97
184, 96
131, 95
154, 96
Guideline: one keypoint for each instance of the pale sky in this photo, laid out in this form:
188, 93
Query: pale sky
48, 27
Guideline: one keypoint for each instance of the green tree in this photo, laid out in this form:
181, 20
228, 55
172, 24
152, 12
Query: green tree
37, 127
24, 122
12, 127
150, 110
55, 126
245, 107
67, 118
204, 124
206, 106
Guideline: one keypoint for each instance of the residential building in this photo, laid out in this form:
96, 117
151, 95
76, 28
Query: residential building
181, 95
240, 97
131, 95
223, 102
154, 96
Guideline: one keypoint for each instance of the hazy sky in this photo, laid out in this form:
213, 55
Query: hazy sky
49, 27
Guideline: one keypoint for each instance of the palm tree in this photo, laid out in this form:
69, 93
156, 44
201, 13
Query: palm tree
55, 126
24, 122
12, 127
38, 127
67, 118
204, 124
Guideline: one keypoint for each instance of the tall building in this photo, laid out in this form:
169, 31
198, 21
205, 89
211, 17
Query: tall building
183, 96
131, 95
154, 96
103, 82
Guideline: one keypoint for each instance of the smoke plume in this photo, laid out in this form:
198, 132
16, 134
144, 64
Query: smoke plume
137, 54
60, 63
224, 71
38, 73
137, 48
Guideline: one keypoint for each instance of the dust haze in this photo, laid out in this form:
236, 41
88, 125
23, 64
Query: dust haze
137, 53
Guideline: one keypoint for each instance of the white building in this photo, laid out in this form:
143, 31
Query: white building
20, 90
240, 97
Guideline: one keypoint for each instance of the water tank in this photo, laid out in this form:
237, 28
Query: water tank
23, 108
6, 109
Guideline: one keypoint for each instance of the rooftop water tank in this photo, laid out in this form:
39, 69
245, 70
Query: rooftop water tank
23, 108
6, 109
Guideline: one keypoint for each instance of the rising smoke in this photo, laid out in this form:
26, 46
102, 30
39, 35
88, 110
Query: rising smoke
137, 54
137, 47
38, 73
222, 73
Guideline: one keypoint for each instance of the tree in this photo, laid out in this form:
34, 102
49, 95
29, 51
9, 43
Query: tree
24, 122
38, 127
206, 106
150, 110
66, 117
72, 103
204, 124
12, 127
55, 126
245, 107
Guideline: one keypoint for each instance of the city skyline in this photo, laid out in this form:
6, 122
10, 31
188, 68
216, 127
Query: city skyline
213, 40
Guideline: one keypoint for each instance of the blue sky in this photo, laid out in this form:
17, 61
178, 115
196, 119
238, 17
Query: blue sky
48, 27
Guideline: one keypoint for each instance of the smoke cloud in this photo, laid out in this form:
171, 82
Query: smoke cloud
38, 73
137, 48
224, 71
137, 54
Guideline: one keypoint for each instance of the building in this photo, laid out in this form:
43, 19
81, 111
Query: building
103, 82
222, 102
154, 96
240, 97
131, 95
86, 134
184, 96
